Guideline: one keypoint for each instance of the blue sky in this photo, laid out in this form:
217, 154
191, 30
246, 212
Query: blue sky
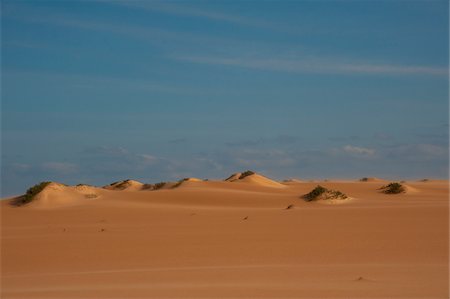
97, 91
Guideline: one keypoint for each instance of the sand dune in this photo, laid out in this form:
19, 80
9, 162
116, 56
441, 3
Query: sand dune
371, 179
254, 178
126, 185
216, 239
292, 181
186, 182
58, 195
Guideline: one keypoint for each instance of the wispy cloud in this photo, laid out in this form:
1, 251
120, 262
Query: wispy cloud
150, 34
247, 54
279, 140
62, 168
360, 151
422, 152
314, 65
190, 11
106, 83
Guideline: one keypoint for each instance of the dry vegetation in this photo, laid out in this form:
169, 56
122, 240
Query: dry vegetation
323, 193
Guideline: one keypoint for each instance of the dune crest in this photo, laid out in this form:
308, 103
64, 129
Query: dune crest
233, 177
126, 185
292, 181
254, 178
183, 182
371, 179
59, 195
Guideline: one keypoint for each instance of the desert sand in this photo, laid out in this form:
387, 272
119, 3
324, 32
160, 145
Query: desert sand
227, 239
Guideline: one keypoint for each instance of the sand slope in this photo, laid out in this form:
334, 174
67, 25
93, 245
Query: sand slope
255, 179
128, 185
216, 239
57, 195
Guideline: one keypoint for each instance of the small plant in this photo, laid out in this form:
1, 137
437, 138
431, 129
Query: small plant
393, 188
122, 185
148, 186
159, 185
180, 182
315, 193
338, 194
323, 193
32, 192
364, 180
246, 174
230, 177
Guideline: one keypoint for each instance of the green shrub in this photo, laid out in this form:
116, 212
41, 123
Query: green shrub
246, 174
323, 193
393, 188
32, 192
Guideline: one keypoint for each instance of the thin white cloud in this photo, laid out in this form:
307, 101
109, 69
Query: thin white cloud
356, 150
418, 152
314, 65
62, 168
89, 82
249, 56
190, 11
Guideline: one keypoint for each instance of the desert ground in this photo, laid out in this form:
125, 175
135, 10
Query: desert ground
237, 238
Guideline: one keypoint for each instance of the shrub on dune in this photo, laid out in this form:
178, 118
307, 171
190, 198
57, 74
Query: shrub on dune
323, 193
32, 192
159, 185
147, 186
393, 188
246, 174
178, 184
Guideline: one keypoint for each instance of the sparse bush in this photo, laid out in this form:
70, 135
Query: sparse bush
323, 193
32, 192
393, 188
159, 185
230, 177
122, 185
246, 174
315, 193
364, 180
148, 186
180, 182
83, 185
